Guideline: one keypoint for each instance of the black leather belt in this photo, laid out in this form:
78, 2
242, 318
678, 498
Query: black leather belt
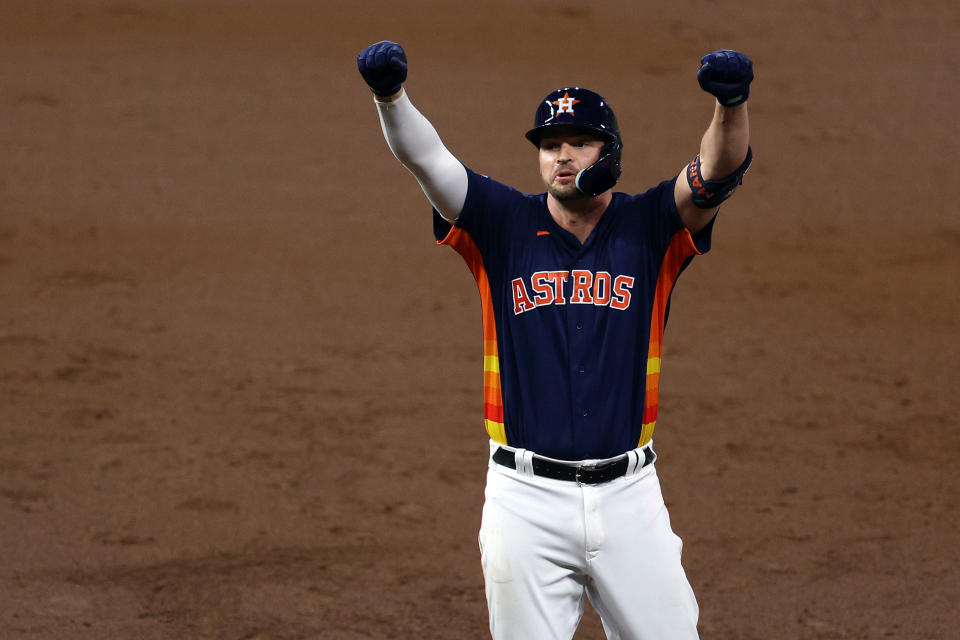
581, 474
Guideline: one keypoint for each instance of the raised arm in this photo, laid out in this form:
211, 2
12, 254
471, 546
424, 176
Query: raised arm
409, 134
725, 152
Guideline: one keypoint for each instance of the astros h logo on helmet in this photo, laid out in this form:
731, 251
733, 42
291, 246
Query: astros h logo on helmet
565, 104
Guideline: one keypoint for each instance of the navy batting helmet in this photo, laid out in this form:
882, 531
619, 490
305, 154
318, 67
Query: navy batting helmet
577, 107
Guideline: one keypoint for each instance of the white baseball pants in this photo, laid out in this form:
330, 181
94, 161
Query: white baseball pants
546, 543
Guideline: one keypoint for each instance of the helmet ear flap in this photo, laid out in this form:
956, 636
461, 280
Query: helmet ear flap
602, 174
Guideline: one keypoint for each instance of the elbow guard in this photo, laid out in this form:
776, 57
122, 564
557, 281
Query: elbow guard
709, 194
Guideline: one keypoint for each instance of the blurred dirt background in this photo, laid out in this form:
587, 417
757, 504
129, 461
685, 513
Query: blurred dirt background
240, 388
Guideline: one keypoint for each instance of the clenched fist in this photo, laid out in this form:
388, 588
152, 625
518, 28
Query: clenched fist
384, 67
726, 74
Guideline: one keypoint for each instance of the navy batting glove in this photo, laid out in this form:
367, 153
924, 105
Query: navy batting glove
727, 75
384, 67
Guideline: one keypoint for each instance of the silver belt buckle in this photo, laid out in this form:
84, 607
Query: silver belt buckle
588, 467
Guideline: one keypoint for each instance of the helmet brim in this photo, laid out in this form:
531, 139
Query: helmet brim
536, 134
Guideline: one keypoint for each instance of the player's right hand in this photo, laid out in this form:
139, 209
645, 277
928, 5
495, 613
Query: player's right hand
384, 67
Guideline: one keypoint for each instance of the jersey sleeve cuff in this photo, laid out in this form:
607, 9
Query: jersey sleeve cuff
441, 228
703, 238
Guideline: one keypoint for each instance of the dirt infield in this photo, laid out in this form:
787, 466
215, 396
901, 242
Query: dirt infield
240, 388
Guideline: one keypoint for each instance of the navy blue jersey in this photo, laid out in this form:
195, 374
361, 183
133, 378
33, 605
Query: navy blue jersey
572, 332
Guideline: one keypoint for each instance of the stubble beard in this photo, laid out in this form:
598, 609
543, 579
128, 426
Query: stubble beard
565, 193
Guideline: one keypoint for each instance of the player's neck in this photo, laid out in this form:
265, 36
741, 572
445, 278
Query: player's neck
580, 216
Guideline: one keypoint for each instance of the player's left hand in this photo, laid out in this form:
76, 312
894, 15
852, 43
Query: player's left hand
726, 74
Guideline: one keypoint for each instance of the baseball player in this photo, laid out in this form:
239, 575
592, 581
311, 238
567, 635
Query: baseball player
575, 288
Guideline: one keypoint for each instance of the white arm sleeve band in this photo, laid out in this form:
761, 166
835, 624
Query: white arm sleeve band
418, 147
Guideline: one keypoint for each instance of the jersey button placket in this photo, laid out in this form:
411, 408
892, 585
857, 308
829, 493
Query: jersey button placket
579, 338
578, 355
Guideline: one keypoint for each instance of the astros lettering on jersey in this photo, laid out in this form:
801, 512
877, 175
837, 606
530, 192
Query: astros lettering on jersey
586, 288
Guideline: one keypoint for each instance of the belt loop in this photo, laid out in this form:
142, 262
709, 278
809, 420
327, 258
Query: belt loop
524, 462
640, 458
633, 462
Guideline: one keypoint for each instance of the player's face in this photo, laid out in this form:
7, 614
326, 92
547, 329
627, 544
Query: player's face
563, 153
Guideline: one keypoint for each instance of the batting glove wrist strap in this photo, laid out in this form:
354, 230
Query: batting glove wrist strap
709, 194
726, 74
384, 67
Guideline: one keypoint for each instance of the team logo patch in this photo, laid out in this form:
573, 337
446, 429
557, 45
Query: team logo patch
565, 104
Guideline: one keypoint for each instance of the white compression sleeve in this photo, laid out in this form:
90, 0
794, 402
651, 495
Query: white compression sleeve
418, 147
